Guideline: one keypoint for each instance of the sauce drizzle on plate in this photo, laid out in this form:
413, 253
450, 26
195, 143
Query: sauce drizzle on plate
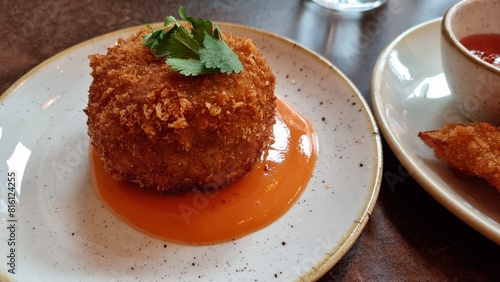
204, 217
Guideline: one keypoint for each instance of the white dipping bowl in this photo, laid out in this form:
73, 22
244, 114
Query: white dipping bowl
474, 83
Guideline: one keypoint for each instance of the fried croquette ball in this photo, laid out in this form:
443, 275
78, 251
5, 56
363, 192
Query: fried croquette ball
160, 129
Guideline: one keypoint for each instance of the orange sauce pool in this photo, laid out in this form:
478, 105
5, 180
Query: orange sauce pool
247, 205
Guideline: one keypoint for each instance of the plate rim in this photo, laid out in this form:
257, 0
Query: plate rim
413, 169
350, 237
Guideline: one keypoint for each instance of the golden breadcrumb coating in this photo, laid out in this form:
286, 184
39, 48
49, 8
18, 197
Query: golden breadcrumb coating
160, 129
472, 150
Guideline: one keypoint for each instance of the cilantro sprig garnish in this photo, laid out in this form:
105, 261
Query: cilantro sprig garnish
194, 51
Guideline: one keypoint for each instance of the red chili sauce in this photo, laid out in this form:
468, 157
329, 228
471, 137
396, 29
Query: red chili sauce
484, 46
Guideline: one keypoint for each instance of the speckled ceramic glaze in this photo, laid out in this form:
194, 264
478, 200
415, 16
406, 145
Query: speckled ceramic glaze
350, 5
410, 94
475, 84
64, 233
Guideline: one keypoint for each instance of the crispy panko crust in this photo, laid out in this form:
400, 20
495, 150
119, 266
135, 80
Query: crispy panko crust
472, 150
160, 129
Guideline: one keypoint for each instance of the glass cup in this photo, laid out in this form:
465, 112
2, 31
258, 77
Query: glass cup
350, 5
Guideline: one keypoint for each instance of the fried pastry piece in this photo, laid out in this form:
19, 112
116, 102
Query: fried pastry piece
472, 150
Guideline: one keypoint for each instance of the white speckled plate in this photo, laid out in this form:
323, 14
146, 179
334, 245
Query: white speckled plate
410, 94
64, 233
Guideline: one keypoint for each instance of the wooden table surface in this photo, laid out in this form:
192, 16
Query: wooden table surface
410, 236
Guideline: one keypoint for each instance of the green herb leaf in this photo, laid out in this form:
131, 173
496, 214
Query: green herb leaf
200, 26
182, 44
194, 51
216, 54
189, 67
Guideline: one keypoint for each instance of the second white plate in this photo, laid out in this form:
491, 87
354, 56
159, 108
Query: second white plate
410, 94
